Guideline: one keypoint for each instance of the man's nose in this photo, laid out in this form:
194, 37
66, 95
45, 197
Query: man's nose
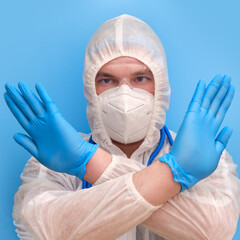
125, 81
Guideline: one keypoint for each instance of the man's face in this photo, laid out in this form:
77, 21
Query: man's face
124, 70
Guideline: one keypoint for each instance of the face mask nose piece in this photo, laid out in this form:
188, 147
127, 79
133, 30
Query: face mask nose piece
125, 81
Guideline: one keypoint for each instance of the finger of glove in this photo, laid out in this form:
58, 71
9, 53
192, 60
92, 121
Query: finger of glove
31, 99
225, 106
18, 99
45, 97
21, 118
219, 97
222, 140
27, 143
211, 92
196, 101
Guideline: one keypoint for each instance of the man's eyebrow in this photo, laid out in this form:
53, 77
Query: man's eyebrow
103, 74
146, 71
142, 72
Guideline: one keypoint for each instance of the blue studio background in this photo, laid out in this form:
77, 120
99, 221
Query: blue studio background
44, 41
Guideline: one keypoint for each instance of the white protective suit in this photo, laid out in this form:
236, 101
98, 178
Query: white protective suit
51, 205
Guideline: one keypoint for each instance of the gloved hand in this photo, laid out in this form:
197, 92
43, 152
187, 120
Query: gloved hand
197, 148
52, 140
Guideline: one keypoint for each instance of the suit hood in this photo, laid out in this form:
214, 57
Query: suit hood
126, 36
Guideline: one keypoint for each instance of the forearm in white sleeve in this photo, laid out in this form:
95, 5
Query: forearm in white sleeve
47, 207
209, 210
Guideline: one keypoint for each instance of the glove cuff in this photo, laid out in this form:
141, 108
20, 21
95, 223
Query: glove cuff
179, 175
80, 172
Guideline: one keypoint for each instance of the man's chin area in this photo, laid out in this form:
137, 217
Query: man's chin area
127, 144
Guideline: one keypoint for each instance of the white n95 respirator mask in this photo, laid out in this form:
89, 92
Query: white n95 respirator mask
126, 113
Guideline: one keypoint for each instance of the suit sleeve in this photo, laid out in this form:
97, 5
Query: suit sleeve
209, 210
50, 205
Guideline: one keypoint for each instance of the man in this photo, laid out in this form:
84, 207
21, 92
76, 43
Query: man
127, 90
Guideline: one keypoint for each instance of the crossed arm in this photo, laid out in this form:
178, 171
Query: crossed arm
206, 112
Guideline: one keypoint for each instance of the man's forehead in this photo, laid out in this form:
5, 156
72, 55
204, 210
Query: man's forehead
127, 63
125, 60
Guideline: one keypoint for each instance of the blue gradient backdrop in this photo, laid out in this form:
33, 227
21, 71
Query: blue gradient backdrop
45, 41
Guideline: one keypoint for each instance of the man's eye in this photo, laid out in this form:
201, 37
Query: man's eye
141, 79
105, 81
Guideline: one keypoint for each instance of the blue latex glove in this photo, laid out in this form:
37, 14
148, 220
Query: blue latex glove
197, 148
51, 139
